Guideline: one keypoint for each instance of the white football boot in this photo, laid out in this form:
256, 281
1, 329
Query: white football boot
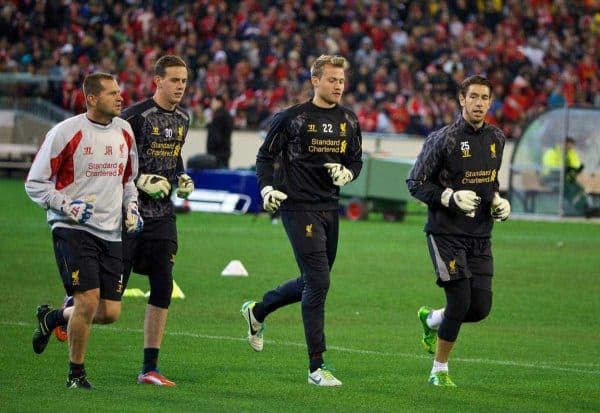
255, 329
323, 377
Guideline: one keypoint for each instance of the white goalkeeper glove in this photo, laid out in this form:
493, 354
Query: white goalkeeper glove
79, 210
272, 198
464, 201
339, 173
133, 219
154, 185
500, 208
186, 186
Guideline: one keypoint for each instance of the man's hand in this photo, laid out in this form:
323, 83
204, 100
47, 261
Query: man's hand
339, 173
186, 186
78, 210
464, 201
272, 198
133, 219
154, 185
500, 208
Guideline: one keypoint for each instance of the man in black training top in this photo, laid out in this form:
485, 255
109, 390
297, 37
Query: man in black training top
456, 175
160, 127
317, 147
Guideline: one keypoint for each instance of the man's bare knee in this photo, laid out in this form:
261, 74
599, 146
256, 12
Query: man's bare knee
86, 303
107, 318
108, 312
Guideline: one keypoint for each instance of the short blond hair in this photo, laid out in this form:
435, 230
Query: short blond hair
316, 70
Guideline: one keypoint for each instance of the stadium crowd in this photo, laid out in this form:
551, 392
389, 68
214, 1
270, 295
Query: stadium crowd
406, 56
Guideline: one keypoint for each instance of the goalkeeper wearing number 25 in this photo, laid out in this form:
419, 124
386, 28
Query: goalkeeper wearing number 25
456, 175
160, 126
316, 148
83, 176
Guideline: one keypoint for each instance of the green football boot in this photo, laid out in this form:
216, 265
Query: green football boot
429, 334
441, 379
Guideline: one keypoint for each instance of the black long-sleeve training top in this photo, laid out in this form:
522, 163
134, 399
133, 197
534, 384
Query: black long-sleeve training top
300, 140
458, 157
159, 135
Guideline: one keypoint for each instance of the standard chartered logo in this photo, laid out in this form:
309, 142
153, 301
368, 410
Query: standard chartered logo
327, 145
164, 149
104, 169
479, 177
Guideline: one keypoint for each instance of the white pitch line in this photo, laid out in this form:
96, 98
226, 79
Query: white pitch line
543, 366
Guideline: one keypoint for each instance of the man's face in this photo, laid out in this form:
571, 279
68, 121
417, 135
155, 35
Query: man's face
330, 86
475, 104
215, 104
108, 103
172, 86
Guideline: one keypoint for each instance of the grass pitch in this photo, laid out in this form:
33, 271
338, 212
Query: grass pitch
539, 351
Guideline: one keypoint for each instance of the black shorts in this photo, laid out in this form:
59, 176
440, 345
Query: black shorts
86, 262
455, 258
154, 249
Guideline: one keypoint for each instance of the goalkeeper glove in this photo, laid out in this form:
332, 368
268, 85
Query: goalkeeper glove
133, 219
339, 173
500, 208
186, 186
464, 201
272, 198
78, 210
154, 185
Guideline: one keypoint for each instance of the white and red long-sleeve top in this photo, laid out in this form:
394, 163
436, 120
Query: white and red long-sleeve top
81, 159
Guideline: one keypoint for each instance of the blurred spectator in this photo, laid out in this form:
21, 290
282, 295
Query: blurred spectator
404, 55
554, 158
218, 140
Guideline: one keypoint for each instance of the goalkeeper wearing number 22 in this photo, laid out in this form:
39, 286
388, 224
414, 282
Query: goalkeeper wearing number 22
310, 151
160, 126
456, 175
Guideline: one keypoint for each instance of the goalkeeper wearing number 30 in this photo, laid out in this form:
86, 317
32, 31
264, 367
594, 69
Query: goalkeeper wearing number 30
160, 126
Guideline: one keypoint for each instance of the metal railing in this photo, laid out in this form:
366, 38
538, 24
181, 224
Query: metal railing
35, 106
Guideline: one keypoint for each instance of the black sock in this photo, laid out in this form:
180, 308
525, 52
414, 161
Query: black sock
76, 370
150, 359
315, 362
55, 318
259, 312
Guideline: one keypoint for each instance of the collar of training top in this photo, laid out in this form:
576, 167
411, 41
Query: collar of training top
468, 128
